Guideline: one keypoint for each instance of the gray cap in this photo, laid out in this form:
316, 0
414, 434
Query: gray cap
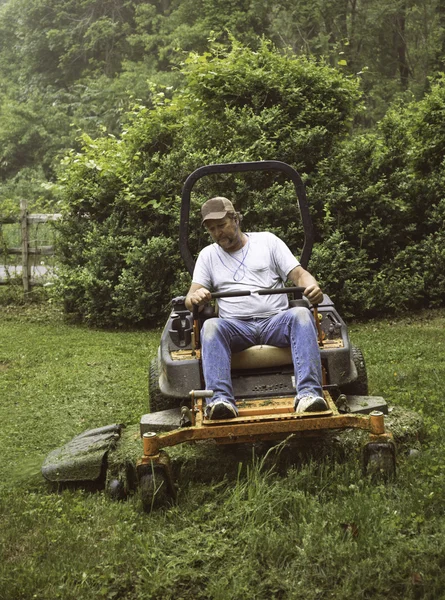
216, 208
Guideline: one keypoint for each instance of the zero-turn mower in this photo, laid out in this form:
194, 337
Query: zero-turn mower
263, 376
263, 383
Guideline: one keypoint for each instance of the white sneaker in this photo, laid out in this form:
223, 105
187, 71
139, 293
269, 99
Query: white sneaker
310, 404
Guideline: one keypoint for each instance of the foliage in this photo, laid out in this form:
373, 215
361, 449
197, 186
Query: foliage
167, 31
68, 68
67, 65
121, 195
376, 198
63, 38
381, 197
344, 272
391, 46
61, 67
12, 294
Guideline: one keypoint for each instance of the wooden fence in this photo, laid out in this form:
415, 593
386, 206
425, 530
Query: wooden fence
25, 250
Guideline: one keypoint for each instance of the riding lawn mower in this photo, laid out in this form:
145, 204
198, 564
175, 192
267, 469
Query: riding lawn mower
262, 376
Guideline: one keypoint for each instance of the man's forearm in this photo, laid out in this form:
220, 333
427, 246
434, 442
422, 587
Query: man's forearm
302, 278
306, 280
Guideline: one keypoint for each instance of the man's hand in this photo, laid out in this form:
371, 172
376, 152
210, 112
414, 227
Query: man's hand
197, 297
314, 294
302, 278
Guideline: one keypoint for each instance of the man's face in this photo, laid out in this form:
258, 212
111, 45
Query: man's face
226, 233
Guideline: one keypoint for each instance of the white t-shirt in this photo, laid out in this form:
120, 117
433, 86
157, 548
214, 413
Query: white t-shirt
263, 262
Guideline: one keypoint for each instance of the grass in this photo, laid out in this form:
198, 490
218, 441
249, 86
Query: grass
241, 529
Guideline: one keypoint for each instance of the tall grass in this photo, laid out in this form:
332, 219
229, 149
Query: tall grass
249, 522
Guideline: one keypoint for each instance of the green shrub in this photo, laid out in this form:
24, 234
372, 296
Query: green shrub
376, 198
121, 197
344, 272
381, 196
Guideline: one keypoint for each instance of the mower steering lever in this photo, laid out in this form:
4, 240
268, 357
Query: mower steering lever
262, 292
285, 290
231, 294
238, 293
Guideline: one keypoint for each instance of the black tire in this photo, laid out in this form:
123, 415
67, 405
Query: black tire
116, 490
157, 399
154, 491
358, 387
122, 482
379, 462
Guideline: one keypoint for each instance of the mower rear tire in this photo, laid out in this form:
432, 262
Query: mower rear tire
158, 401
358, 387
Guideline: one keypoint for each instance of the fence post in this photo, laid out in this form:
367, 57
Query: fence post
26, 276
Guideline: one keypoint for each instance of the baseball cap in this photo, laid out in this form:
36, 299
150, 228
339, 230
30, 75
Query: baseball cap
216, 208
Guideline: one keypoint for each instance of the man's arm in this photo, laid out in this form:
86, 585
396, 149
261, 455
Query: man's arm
302, 278
197, 294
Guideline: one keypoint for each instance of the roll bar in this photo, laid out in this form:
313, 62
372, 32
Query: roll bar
263, 165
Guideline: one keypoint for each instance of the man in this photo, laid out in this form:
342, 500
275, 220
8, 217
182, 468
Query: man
251, 261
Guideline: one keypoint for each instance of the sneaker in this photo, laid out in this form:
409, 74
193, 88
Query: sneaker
310, 404
220, 409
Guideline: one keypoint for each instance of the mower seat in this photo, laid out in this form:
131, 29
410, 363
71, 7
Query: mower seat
260, 357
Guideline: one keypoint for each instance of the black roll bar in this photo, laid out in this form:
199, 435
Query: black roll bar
263, 165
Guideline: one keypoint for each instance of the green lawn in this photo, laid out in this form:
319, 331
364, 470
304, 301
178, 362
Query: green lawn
319, 530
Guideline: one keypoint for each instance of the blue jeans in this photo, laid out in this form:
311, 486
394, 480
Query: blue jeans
294, 327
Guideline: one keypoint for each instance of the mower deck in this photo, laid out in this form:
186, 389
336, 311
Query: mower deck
258, 420
269, 419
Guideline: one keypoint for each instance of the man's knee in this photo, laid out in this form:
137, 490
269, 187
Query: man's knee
301, 315
210, 329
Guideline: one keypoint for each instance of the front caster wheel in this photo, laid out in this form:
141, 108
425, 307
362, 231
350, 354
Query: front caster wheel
379, 461
121, 481
154, 493
155, 488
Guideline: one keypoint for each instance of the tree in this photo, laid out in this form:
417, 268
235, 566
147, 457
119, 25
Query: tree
390, 45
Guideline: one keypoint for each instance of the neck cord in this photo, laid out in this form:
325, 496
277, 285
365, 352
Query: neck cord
239, 273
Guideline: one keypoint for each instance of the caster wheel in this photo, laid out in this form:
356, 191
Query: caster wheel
122, 482
154, 490
379, 461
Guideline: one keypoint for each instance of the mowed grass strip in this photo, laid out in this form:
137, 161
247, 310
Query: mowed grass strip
240, 529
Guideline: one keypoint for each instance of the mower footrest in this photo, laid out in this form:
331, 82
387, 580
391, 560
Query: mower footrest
162, 420
365, 404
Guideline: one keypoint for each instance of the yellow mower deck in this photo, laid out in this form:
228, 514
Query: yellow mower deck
270, 419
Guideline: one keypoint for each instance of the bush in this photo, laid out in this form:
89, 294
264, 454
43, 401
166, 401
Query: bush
376, 198
121, 197
345, 273
380, 195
